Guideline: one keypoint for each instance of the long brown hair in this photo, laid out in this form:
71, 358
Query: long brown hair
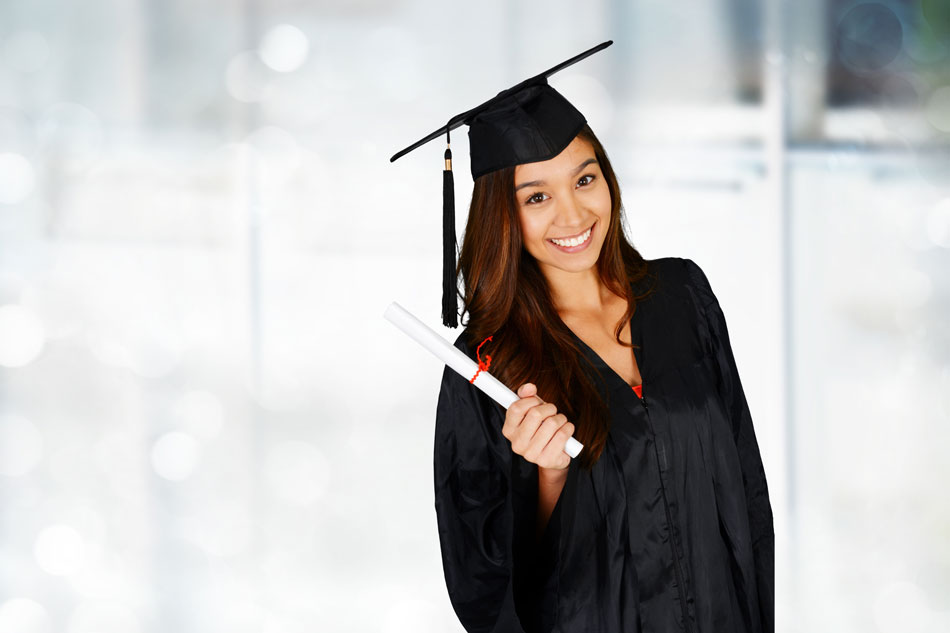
508, 298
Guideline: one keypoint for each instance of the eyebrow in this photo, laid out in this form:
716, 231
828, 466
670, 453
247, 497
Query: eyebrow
533, 183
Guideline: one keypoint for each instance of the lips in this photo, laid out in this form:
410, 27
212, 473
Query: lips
569, 237
579, 247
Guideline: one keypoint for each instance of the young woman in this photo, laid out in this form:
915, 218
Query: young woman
663, 522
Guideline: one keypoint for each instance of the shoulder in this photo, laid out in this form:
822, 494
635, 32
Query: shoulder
450, 378
459, 387
463, 343
681, 275
466, 416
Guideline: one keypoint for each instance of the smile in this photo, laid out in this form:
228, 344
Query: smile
574, 244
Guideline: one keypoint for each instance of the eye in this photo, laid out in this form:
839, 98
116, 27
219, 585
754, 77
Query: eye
531, 200
528, 201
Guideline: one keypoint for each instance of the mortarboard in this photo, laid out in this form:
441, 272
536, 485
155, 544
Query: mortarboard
528, 122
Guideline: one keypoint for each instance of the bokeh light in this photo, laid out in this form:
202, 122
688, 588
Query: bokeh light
103, 616
399, 60
277, 154
175, 455
199, 413
870, 36
56, 308
12, 287
71, 136
938, 223
59, 550
410, 614
284, 48
938, 109
17, 132
21, 336
297, 471
221, 528
21, 445
246, 77
108, 350
16, 178
937, 15
902, 606
25, 51
22, 615
155, 353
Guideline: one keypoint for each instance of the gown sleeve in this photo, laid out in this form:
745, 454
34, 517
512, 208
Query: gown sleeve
486, 509
753, 473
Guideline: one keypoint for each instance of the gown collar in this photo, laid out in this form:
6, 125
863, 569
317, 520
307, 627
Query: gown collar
614, 381
637, 322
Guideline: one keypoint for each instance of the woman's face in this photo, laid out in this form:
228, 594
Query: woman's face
563, 198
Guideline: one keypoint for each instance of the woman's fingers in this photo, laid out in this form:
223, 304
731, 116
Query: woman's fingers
553, 455
536, 430
516, 412
543, 435
532, 421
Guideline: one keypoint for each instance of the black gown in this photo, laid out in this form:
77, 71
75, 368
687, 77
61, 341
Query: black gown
671, 530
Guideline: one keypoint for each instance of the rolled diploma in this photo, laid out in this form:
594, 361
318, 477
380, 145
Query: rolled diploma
454, 358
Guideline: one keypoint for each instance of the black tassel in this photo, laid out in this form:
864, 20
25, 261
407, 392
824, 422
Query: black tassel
449, 280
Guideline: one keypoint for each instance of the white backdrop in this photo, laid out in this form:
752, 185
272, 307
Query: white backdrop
205, 422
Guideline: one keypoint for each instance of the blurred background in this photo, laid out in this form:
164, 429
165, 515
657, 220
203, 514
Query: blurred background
207, 425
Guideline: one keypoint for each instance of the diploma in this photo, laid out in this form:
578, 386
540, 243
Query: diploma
458, 361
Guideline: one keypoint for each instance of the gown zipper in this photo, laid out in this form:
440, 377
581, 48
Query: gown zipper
669, 522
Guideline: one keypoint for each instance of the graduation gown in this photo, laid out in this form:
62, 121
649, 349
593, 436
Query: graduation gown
672, 529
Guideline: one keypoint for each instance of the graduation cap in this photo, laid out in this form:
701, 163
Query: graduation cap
526, 123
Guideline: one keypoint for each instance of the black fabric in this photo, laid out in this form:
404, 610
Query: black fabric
671, 531
531, 103
533, 124
450, 304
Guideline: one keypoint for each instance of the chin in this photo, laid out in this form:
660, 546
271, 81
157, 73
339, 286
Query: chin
575, 266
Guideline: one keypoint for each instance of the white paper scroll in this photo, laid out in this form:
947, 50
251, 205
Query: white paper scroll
458, 361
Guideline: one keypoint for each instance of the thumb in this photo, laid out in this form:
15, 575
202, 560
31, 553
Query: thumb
526, 390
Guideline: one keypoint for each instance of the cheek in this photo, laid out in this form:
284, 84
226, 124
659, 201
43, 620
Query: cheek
604, 207
528, 228
522, 223
605, 201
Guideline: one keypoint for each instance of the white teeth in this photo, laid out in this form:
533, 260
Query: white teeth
574, 241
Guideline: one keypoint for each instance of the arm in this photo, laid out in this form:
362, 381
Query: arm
486, 506
550, 484
753, 474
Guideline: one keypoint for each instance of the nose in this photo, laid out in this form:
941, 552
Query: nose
570, 212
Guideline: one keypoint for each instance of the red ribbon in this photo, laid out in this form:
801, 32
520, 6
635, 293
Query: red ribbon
481, 365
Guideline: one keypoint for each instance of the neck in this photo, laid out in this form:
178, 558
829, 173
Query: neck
578, 293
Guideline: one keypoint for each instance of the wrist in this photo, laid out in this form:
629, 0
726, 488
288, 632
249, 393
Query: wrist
551, 475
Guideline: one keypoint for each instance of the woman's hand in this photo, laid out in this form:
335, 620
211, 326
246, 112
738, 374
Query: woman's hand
536, 430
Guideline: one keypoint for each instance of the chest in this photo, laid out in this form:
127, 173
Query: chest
599, 337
